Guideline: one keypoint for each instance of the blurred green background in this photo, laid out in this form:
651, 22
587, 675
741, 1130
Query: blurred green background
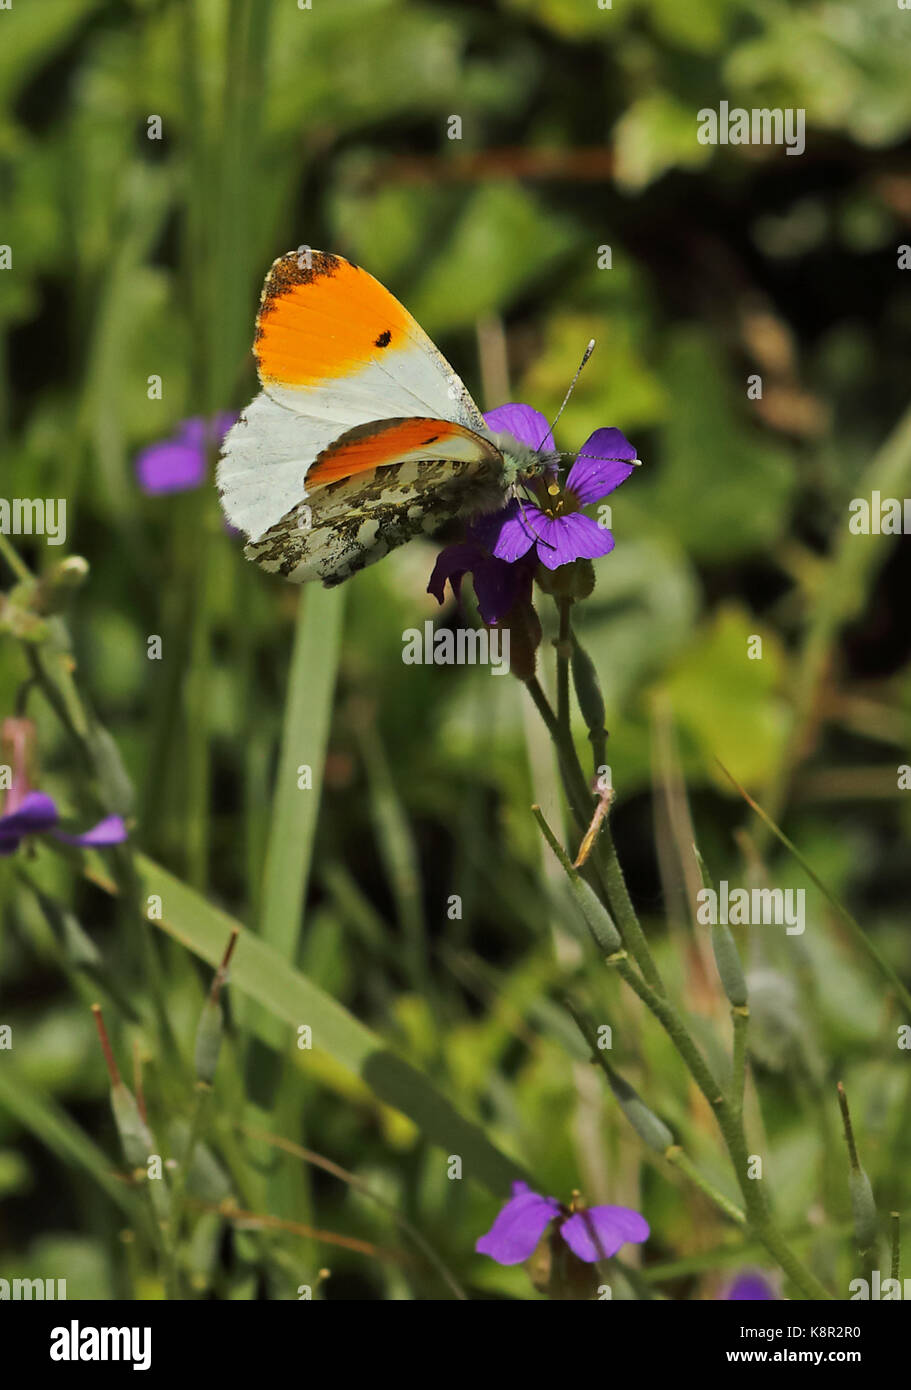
132, 256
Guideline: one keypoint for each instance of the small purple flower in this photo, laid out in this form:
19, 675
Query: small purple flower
27, 812
37, 814
750, 1286
552, 527
592, 1234
179, 463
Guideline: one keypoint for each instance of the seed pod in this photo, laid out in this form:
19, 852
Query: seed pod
645, 1122
588, 689
208, 1041
113, 778
863, 1209
724, 947
135, 1135
212, 1020
597, 918
730, 971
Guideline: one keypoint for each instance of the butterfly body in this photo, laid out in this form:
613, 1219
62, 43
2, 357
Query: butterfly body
362, 436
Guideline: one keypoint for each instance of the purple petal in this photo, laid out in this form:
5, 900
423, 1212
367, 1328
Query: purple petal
600, 466
192, 431
749, 1286
453, 563
497, 586
110, 831
572, 537
524, 423
35, 814
510, 534
613, 1226
519, 1226
171, 467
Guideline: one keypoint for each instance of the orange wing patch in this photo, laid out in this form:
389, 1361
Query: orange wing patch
317, 322
383, 442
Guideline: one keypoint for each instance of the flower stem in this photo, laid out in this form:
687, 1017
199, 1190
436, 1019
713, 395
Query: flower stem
731, 1126
18, 566
604, 854
611, 874
650, 989
564, 648
676, 1156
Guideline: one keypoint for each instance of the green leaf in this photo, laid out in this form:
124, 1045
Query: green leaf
53, 1127
260, 972
305, 733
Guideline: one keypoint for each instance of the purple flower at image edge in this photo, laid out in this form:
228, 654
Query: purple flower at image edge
179, 464
750, 1286
560, 532
591, 1234
36, 814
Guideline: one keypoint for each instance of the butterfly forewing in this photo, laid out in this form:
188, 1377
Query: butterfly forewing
351, 385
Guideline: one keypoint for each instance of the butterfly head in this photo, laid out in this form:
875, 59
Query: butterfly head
522, 462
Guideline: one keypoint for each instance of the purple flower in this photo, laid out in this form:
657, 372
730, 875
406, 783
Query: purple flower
499, 587
552, 527
37, 814
592, 1234
750, 1285
27, 812
179, 463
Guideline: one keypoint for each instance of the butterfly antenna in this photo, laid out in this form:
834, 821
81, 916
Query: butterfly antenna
572, 386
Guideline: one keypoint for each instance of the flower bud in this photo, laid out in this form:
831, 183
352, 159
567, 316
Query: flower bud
575, 580
55, 587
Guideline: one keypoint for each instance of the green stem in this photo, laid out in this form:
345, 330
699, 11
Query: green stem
13, 559
611, 874
203, 1091
604, 854
563, 645
731, 1127
676, 1156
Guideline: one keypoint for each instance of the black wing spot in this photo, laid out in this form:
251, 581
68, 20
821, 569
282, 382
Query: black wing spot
384, 339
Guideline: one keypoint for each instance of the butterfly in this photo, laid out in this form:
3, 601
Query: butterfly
362, 435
